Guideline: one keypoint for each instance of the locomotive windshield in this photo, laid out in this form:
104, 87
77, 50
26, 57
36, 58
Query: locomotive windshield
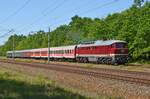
119, 45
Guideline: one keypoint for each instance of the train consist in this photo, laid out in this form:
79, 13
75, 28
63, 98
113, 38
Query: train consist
100, 51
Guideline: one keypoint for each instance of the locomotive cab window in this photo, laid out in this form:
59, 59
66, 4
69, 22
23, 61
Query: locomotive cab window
119, 45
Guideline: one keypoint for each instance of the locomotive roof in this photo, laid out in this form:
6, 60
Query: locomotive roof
101, 43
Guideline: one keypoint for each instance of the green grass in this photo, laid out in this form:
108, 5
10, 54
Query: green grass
144, 62
20, 86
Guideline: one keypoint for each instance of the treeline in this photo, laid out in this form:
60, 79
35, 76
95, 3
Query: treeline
131, 25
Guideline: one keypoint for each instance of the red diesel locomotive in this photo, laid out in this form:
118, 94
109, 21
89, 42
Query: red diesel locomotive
100, 51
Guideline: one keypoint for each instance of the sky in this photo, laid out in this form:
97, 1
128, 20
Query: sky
24, 16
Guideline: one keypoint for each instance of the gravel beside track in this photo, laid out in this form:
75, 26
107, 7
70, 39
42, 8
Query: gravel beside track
129, 76
87, 83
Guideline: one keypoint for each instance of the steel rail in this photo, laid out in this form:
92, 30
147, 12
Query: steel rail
83, 71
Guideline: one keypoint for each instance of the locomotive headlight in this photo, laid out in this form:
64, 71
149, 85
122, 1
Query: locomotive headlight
122, 50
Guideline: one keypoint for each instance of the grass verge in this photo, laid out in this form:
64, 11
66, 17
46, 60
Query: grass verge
14, 85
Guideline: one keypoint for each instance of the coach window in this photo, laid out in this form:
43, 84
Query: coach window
67, 51
94, 47
36, 52
91, 48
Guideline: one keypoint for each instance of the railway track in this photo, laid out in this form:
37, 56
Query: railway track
141, 78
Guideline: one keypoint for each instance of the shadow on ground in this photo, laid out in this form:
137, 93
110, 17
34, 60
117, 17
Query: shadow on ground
12, 89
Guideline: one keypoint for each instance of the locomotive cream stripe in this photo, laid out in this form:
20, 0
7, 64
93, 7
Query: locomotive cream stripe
98, 55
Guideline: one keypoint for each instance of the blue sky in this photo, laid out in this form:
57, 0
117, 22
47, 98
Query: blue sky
39, 14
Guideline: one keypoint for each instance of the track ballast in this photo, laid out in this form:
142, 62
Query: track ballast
142, 78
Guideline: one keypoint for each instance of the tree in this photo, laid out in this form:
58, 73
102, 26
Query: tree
131, 25
138, 3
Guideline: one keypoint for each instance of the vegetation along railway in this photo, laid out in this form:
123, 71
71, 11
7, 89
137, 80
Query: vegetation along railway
142, 78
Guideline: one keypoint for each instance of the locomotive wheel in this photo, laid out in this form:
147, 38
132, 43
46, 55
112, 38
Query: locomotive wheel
99, 61
85, 60
114, 63
78, 60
